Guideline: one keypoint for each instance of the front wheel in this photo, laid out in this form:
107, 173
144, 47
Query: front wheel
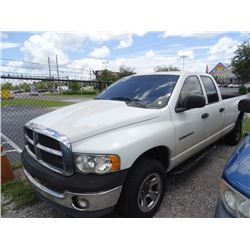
234, 136
144, 190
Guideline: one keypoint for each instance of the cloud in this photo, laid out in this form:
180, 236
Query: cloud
223, 50
100, 52
245, 34
48, 44
39, 47
126, 42
150, 53
167, 34
9, 45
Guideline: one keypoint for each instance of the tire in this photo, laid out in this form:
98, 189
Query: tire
144, 189
234, 136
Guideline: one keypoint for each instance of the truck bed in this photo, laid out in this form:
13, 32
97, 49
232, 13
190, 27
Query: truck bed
227, 93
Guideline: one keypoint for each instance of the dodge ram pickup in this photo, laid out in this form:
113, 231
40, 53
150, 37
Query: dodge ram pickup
115, 151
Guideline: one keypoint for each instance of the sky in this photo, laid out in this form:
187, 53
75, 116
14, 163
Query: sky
142, 51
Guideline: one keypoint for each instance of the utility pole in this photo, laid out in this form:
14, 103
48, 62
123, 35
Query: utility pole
82, 73
90, 74
49, 67
57, 69
183, 57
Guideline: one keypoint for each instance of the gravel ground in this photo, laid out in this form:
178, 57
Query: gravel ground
192, 194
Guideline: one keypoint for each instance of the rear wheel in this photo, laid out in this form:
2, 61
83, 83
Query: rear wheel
234, 136
144, 190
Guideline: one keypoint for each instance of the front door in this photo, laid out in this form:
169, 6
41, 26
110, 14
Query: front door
189, 125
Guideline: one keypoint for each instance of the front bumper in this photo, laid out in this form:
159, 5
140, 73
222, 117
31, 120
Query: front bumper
220, 211
101, 192
96, 201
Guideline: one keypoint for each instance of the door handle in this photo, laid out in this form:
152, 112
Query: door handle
221, 110
205, 115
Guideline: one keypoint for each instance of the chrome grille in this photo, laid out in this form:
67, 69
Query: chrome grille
49, 148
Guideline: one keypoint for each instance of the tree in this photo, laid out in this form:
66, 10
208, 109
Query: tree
41, 85
166, 68
7, 85
125, 71
26, 87
75, 86
241, 62
107, 76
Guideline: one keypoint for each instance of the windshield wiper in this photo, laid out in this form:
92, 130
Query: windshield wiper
128, 99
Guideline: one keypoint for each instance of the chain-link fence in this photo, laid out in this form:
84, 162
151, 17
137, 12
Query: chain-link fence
26, 99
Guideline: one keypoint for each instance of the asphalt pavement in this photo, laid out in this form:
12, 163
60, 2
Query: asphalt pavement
13, 118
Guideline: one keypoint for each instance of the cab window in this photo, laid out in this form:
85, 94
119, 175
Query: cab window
191, 86
210, 88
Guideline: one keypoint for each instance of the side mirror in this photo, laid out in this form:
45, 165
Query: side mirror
244, 105
192, 102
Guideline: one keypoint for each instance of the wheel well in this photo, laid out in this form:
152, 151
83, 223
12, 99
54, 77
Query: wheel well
160, 153
240, 116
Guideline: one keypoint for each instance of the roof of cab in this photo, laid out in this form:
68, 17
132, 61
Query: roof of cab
178, 73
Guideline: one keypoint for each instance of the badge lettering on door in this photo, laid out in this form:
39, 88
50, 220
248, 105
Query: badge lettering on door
185, 136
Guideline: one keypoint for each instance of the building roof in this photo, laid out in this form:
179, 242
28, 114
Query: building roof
218, 67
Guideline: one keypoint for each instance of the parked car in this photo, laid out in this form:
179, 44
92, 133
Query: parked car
34, 92
233, 85
234, 199
62, 89
18, 91
115, 151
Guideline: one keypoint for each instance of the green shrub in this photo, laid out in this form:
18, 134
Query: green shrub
242, 90
85, 92
19, 192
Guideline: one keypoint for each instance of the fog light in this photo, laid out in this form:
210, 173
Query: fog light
81, 202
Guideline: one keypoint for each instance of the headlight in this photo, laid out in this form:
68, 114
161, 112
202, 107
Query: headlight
99, 164
236, 203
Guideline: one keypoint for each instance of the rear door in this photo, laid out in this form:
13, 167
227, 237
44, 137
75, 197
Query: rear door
214, 110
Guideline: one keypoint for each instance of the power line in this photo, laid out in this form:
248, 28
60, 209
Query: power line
52, 66
41, 69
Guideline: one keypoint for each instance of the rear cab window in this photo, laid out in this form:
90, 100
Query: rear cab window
210, 88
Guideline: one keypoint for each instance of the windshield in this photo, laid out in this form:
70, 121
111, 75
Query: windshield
151, 91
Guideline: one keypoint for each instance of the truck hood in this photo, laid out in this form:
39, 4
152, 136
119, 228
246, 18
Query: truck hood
86, 119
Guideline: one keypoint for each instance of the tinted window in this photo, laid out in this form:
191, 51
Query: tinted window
191, 86
151, 90
210, 88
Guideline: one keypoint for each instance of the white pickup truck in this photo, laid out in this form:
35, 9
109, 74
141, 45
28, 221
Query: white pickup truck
115, 151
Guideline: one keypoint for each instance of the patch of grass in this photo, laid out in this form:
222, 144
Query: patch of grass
90, 94
16, 165
20, 193
34, 102
246, 125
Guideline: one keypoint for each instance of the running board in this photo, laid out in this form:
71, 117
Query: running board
192, 162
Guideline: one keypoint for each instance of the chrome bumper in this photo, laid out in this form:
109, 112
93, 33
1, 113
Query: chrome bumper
96, 201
